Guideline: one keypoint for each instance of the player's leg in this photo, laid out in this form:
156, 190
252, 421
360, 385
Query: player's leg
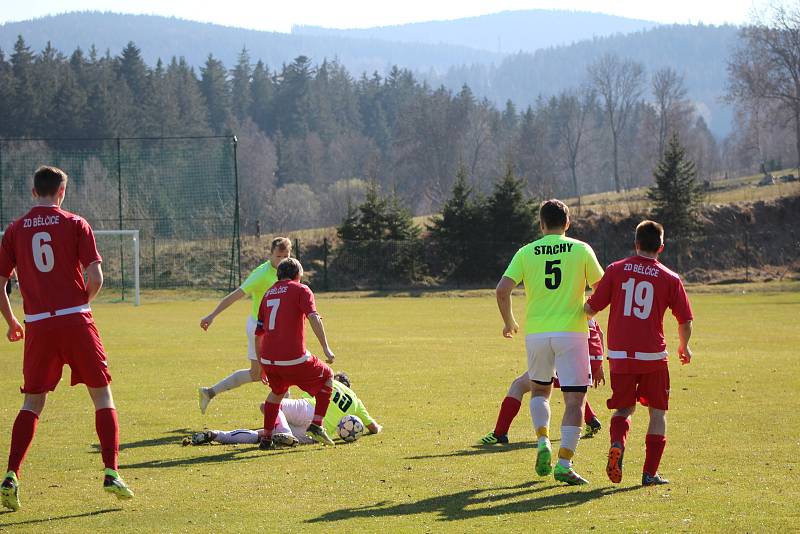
240, 436
654, 392
323, 399
592, 424
623, 401
272, 407
574, 374
508, 410
107, 428
22, 434
541, 369
237, 378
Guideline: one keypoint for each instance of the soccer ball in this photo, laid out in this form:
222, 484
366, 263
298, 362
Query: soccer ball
350, 428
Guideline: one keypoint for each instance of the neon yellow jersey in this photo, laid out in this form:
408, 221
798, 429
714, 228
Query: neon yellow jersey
343, 402
261, 279
555, 270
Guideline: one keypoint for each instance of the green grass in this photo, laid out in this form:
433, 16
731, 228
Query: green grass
433, 372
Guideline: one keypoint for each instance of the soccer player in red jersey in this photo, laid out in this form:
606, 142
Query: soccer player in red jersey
281, 344
51, 249
522, 385
639, 290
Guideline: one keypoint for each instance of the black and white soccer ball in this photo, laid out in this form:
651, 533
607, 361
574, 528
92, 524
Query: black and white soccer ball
350, 428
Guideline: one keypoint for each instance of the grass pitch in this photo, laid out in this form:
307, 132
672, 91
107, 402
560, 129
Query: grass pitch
432, 371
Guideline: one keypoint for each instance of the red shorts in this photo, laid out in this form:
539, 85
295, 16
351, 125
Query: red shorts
649, 389
310, 376
47, 350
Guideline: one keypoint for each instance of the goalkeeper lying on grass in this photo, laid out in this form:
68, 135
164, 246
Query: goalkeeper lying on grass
294, 417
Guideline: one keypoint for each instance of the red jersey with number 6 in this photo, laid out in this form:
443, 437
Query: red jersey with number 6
639, 290
281, 320
49, 248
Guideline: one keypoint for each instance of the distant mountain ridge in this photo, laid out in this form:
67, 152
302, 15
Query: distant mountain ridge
505, 32
164, 37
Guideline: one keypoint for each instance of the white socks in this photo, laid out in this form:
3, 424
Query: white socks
237, 436
238, 378
569, 442
540, 415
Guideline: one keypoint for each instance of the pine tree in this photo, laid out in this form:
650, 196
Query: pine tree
240, 87
676, 194
216, 90
511, 219
458, 231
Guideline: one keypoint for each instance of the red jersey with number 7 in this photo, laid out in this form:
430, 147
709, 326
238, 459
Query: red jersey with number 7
281, 321
639, 290
50, 248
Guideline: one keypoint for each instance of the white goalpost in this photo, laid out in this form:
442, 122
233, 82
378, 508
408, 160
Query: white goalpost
134, 236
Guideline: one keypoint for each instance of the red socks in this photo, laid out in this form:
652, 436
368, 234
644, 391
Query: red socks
21, 437
321, 407
619, 429
508, 411
107, 427
588, 413
270, 418
654, 447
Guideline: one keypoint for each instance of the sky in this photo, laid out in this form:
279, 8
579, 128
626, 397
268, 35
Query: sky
280, 15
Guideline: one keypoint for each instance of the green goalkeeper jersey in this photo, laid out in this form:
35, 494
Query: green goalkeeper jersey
259, 281
343, 402
555, 270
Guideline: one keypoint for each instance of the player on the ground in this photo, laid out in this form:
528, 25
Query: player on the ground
281, 344
294, 417
639, 290
51, 250
261, 279
522, 385
555, 270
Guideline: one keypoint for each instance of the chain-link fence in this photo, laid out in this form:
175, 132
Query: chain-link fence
180, 193
748, 255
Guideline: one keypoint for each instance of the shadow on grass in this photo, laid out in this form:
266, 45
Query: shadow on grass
174, 437
230, 455
477, 450
478, 503
50, 519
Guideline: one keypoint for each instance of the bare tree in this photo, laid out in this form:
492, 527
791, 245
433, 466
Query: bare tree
669, 92
619, 84
766, 65
573, 107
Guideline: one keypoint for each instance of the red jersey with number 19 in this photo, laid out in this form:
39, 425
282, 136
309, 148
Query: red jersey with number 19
281, 320
639, 290
49, 248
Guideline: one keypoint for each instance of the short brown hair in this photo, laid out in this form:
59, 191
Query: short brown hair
288, 269
282, 243
47, 180
649, 236
553, 214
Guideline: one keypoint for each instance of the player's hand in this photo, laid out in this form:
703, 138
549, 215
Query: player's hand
206, 321
15, 331
329, 355
510, 329
684, 354
599, 377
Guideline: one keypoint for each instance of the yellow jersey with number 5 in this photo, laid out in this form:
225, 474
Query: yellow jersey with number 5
555, 270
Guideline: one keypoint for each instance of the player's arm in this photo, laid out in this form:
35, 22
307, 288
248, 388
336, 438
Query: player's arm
94, 280
319, 331
684, 334
503, 294
15, 330
223, 305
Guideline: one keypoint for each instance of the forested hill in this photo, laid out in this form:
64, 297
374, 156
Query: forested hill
700, 53
506, 32
165, 37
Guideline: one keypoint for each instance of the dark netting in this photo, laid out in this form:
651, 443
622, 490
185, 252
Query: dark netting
180, 193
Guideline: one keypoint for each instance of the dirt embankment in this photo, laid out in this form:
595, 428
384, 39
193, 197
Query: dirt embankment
746, 241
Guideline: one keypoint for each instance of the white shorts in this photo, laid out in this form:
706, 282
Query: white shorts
251, 338
298, 412
564, 354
